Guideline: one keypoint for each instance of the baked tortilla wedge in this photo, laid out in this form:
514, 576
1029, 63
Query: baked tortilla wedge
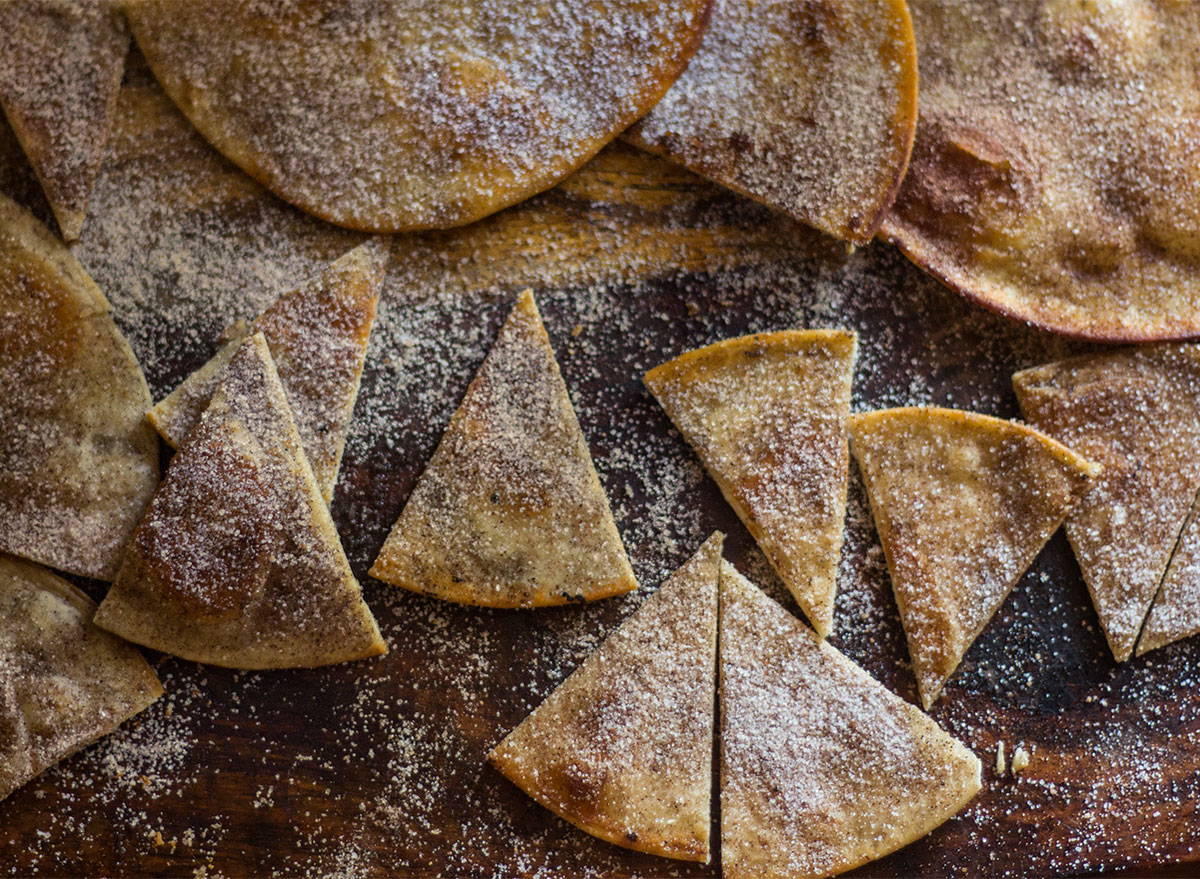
822, 767
63, 682
60, 70
766, 415
237, 562
318, 337
78, 461
623, 748
809, 107
1175, 613
509, 511
1136, 412
963, 504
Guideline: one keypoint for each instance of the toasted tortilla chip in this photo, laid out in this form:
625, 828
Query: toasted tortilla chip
63, 682
389, 116
78, 462
509, 511
237, 562
1175, 613
1055, 175
60, 69
809, 107
623, 748
766, 414
963, 504
822, 767
1137, 413
318, 338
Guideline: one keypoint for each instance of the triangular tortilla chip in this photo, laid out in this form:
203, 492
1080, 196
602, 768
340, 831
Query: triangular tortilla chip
1137, 413
63, 682
78, 462
623, 748
1175, 613
60, 70
318, 338
237, 562
807, 107
509, 511
766, 415
963, 504
822, 767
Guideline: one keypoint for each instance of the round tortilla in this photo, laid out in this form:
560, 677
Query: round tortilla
391, 116
1056, 171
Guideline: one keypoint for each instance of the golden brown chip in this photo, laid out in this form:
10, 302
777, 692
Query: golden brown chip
1056, 171
237, 562
766, 415
318, 338
60, 70
806, 105
1137, 413
63, 682
623, 748
963, 504
822, 767
509, 511
390, 116
78, 462
1175, 613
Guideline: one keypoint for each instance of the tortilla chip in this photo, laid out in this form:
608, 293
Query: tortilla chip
78, 462
318, 338
1175, 613
237, 562
822, 767
809, 107
963, 504
1137, 413
60, 71
623, 748
1055, 175
766, 414
509, 511
388, 116
63, 682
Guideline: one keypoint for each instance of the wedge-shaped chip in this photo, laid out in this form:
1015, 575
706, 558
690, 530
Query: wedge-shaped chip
822, 768
60, 70
766, 415
237, 562
1175, 613
318, 338
963, 504
63, 682
1055, 175
808, 107
78, 461
509, 511
623, 748
1137, 413
391, 116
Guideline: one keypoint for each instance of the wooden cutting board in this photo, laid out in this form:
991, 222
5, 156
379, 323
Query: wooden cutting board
376, 768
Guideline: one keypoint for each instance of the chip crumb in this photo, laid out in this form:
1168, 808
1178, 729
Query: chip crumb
1020, 759
1001, 766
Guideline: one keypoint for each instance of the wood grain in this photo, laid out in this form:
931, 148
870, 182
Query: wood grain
377, 768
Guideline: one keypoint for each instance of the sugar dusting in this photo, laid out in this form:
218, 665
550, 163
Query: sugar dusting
372, 768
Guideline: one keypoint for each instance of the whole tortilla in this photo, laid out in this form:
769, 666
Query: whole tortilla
1056, 171
391, 116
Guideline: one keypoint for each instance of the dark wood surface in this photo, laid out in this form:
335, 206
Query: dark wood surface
377, 768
